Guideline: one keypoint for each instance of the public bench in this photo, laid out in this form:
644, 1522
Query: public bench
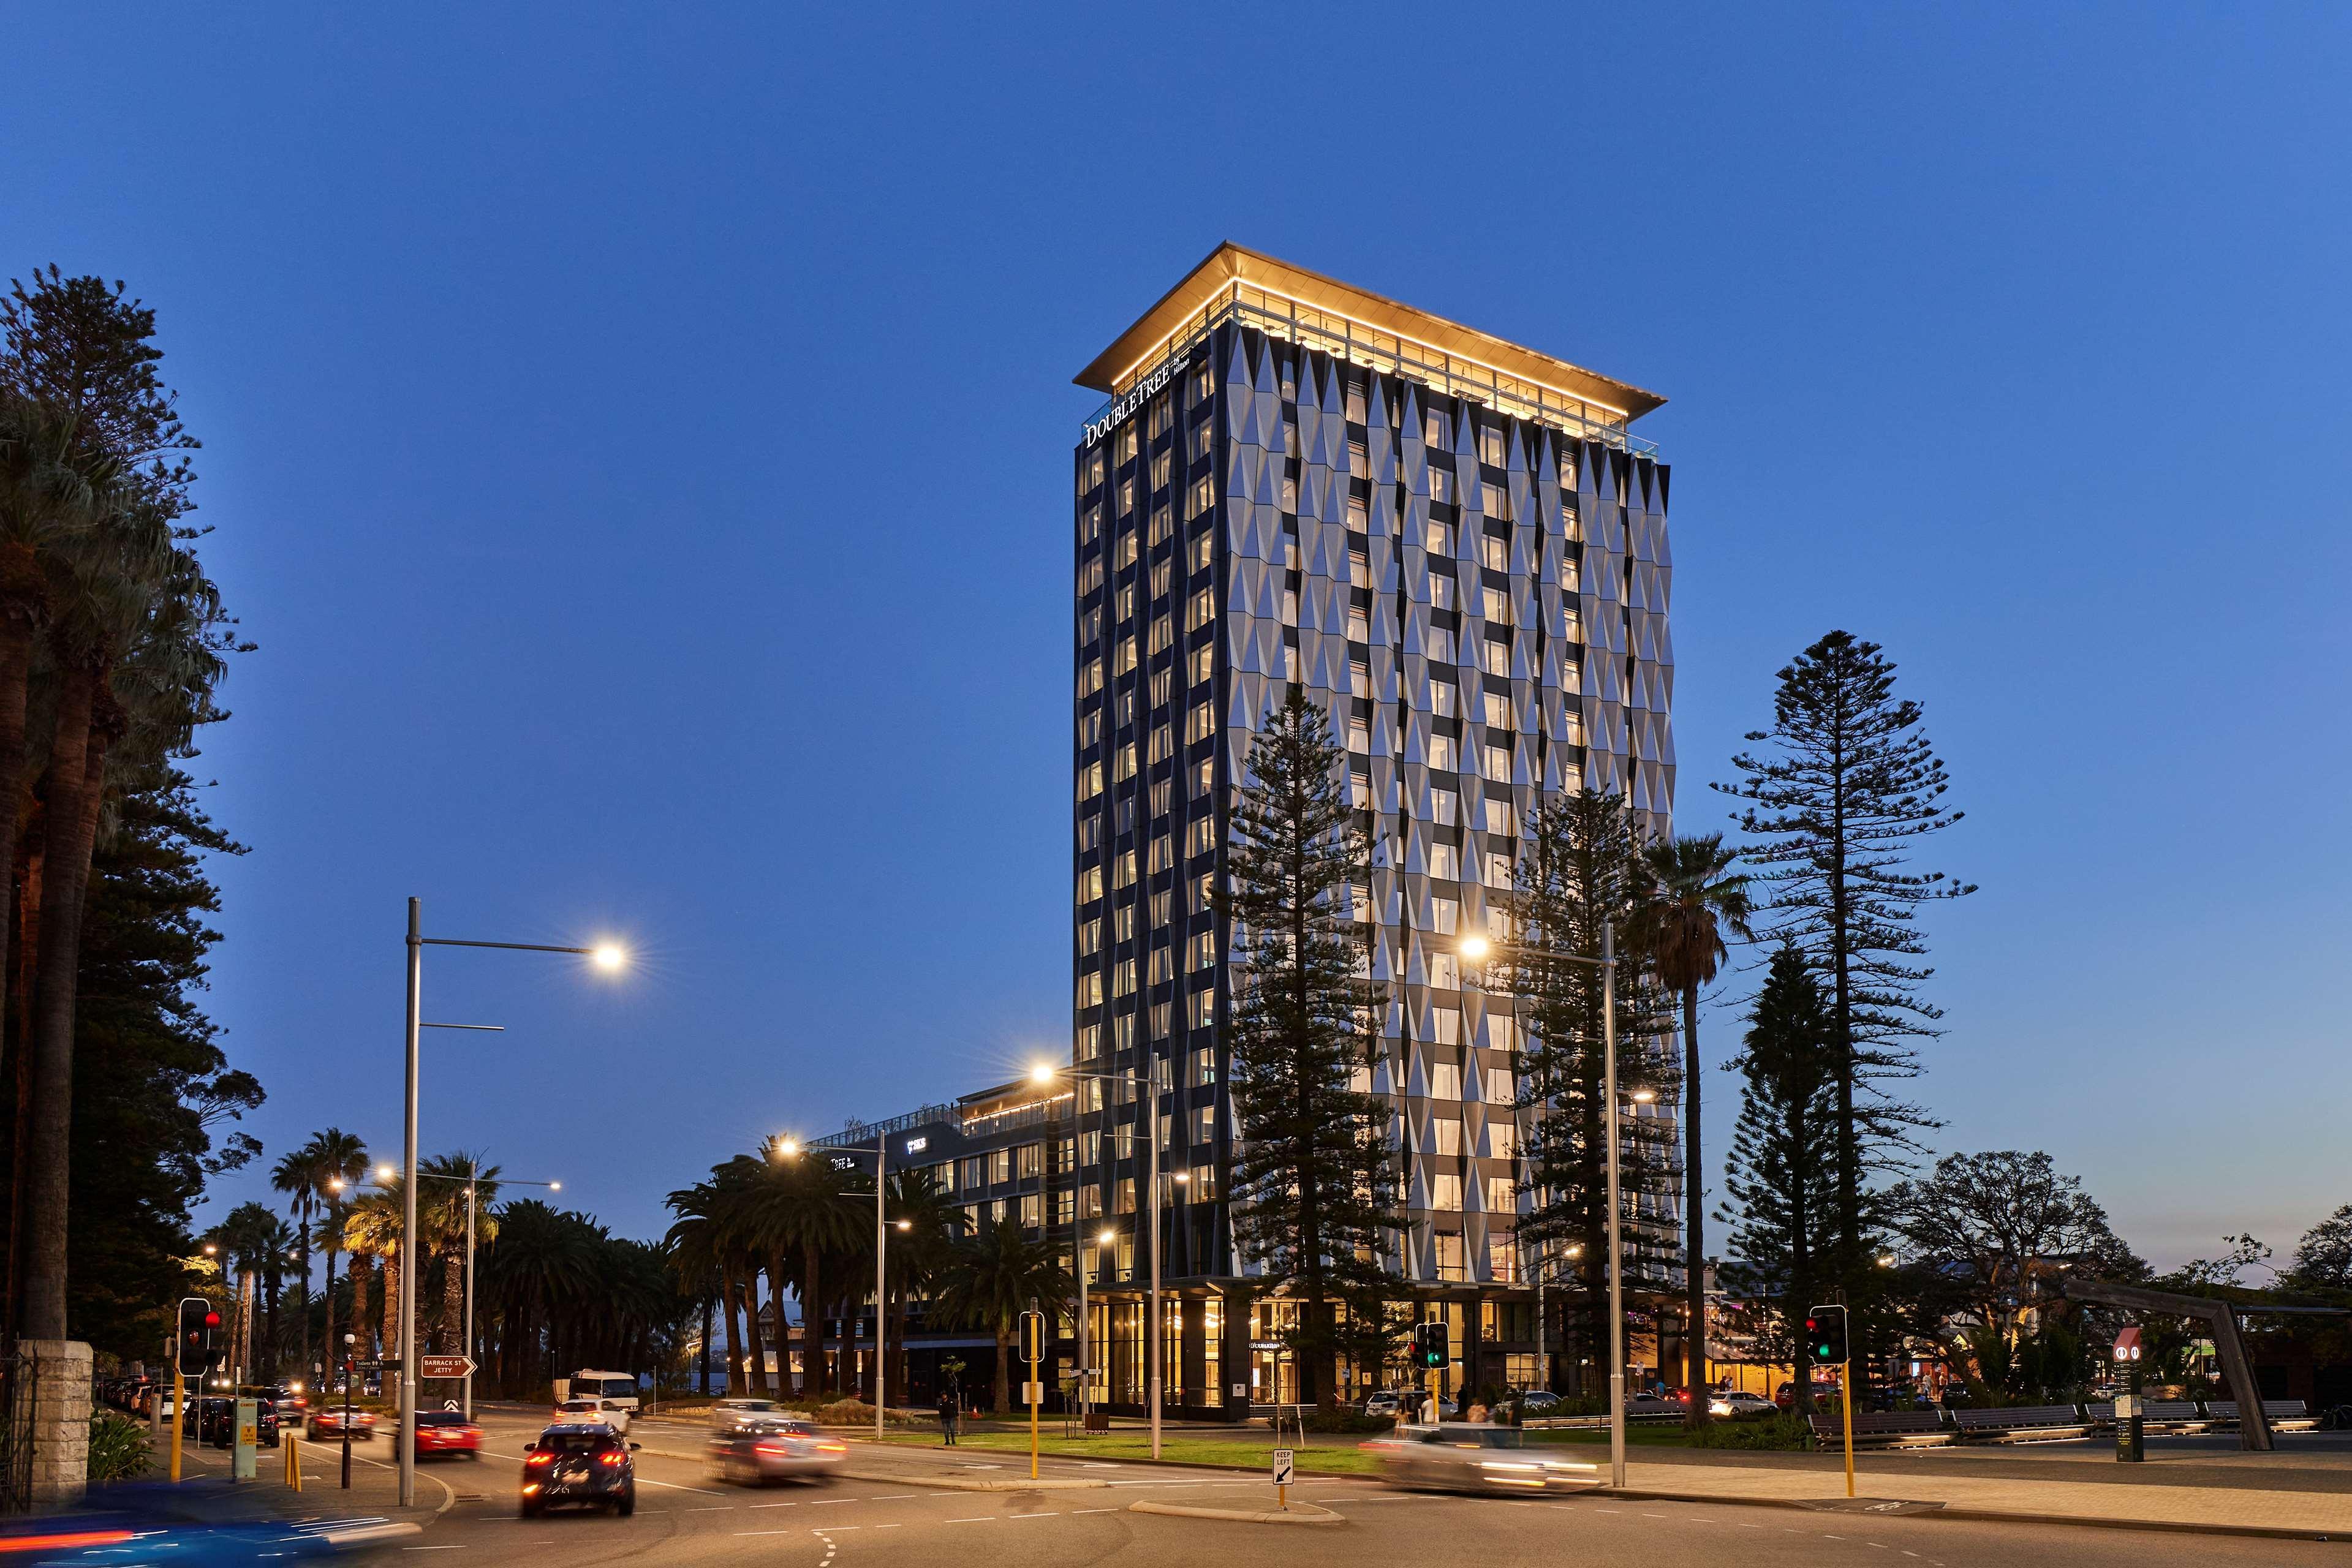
2022, 1424
1884, 1429
2285, 1414
2154, 1415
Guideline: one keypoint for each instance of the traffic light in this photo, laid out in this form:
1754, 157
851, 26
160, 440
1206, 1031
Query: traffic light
199, 1335
1429, 1346
1826, 1336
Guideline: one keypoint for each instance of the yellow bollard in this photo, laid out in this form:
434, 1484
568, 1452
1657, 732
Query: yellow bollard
293, 1460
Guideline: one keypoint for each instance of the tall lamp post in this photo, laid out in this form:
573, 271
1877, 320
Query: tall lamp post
470, 1178
1045, 1073
1478, 950
789, 1148
606, 958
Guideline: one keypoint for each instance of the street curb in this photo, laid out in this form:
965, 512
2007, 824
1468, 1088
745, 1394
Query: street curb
1990, 1515
1305, 1514
957, 1484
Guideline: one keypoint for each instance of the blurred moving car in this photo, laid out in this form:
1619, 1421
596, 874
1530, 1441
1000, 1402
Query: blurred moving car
742, 1415
327, 1421
445, 1432
577, 1462
776, 1450
1735, 1404
582, 1411
1460, 1456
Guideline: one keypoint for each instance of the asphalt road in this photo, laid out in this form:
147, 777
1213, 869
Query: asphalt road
683, 1516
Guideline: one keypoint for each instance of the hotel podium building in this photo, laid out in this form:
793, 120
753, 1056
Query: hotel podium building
1458, 547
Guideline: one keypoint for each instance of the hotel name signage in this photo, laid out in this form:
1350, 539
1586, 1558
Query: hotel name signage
1121, 407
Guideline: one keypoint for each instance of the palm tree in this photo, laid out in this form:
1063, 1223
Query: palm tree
441, 1217
372, 1227
336, 1160
1694, 900
297, 1175
994, 1276
801, 1208
699, 1252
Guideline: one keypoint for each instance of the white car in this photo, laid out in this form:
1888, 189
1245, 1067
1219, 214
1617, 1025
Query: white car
1730, 1403
582, 1411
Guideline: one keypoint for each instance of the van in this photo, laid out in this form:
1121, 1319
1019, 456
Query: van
617, 1387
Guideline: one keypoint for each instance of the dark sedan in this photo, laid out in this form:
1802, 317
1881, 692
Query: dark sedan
574, 1462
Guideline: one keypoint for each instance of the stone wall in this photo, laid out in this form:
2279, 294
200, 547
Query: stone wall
61, 1393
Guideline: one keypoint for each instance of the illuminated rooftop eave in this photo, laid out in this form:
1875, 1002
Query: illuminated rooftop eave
1142, 343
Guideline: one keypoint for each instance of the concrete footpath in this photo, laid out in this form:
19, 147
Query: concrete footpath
2214, 1510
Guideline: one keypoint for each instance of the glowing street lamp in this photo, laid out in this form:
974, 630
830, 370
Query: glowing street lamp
1478, 950
607, 956
788, 1147
1148, 1093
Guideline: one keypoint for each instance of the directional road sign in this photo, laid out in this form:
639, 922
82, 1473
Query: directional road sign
444, 1366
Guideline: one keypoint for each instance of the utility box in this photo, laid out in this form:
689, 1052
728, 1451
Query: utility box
244, 1455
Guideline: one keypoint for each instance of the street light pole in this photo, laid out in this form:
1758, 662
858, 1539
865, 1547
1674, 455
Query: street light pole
880, 1149
608, 958
408, 1261
1149, 1083
1475, 948
472, 1176
1616, 1245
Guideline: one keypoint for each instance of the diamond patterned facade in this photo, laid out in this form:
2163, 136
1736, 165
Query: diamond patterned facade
1458, 548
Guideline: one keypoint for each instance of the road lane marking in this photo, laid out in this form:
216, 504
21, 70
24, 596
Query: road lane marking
1094, 1511
673, 1486
1051, 1513
775, 1505
889, 1527
977, 1519
767, 1533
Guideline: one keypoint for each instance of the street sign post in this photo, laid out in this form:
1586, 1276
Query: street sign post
1282, 1468
2130, 1419
444, 1366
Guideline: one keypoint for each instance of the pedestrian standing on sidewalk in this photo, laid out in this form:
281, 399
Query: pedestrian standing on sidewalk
948, 1419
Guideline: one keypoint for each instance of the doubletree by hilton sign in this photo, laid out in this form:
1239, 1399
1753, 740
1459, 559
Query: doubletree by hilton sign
1121, 407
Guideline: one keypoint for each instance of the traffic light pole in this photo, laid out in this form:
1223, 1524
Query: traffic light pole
1845, 1388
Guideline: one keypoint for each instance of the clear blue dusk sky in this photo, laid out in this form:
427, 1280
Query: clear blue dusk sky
638, 442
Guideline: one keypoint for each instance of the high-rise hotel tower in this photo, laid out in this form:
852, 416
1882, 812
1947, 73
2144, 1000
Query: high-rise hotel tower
1458, 548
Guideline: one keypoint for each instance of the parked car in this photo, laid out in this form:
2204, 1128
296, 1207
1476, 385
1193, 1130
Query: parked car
776, 1450
446, 1433
1387, 1402
577, 1462
1462, 1458
585, 1411
216, 1423
1733, 1404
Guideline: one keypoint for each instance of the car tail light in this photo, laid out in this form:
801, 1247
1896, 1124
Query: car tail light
610, 1459
833, 1448
528, 1487
771, 1448
540, 1459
